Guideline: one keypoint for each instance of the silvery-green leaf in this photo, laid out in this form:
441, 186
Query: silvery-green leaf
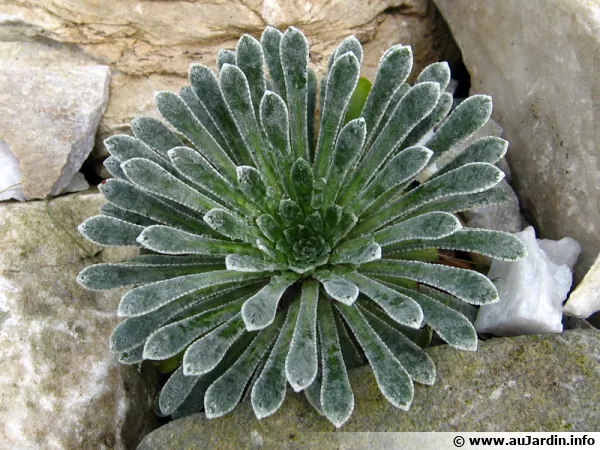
352, 356
175, 390
154, 179
225, 56
129, 357
394, 67
247, 263
249, 58
204, 354
113, 166
145, 299
268, 392
469, 311
310, 111
110, 232
342, 80
172, 339
100, 277
356, 251
393, 380
302, 179
130, 198
438, 72
270, 41
418, 102
259, 310
108, 209
331, 218
227, 224
337, 287
466, 119
154, 134
301, 362
337, 399
440, 111
163, 239
207, 89
293, 51
160, 260
349, 44
225, 393
468, 179
449, 324
470, 286
290, 212
124, 148
252, 185
347, 151
433, 225
175, 110
400, 169
269, 227
343, 227
399, 307
417, 363
393, 103
488, 149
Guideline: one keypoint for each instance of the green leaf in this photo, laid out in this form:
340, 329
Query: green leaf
393, 380
225, 393
310, 111
175, 110
294, 61
252, 185
268, 392
356, 251
418, 102
175, 391
358, 100
394, 67
154, 179
417, 363
125, 147
150, 259
259, 310
466, 119
349, 44
154, 134
438, 72
269, 227
203, 355
250, 59
471, 287
108, 209
301, 363
130, 356
270, 41
290, 212
341, 83
337, 399
302, 179
145, 299
225, 56
393, 104
469, 179
101, 277
352, 357
488, 149
227, 224
347, 150
440, 111
113, 166
343, 227
399, 307
110, 232
469, 311
338, 287
246, 263
433, 225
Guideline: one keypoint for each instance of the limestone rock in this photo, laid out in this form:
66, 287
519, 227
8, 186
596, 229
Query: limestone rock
533, 383
60, 387
149, 45
531, 290
538, 60
48, 121
585, 300
10, 175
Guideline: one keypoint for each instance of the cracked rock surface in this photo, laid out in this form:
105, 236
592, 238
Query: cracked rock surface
60, 387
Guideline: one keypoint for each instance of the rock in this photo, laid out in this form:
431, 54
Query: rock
585, 300
10, 175
152, 48
60, 387
534, 59
78, 183
48, 120
535, 383
531, 290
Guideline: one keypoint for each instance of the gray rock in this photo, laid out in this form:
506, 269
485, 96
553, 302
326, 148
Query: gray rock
585, 300
60, 387
527, 383
538, 60
48, 120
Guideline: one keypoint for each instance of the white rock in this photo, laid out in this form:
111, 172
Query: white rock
538, 59
77, 184
585, 299
531, 290
48, 120
10, 175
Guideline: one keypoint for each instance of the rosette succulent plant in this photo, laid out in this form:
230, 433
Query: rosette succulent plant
276, 254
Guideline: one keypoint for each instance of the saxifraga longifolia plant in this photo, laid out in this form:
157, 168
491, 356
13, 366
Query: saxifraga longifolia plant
274, 256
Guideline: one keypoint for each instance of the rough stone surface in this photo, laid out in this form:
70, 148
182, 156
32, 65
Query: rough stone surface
539, 60
150, 44
531, 290
10, 175
48, 120
585, 300
527, 383
60, 388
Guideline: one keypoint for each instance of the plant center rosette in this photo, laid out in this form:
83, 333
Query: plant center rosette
273, 255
